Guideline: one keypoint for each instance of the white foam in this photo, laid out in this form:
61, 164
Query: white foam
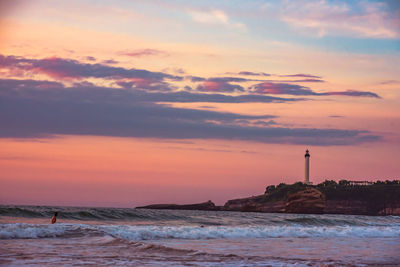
136, 233
143, 232
24, 230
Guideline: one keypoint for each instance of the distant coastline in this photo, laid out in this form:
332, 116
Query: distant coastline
345, 197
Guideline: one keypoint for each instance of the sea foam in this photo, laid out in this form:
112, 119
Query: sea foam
154, 232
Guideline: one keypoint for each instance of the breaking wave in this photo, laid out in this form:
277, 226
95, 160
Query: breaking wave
185, 217
146, 232
80, 213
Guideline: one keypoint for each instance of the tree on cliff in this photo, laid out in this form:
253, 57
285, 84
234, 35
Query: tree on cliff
281, 191
376, 194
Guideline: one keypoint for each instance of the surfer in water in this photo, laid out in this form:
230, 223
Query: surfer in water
54, 218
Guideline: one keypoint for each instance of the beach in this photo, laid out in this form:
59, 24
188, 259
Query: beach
131, 237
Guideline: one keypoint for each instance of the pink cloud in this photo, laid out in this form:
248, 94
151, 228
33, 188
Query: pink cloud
145, 52
69, 69
219, 86
282, 88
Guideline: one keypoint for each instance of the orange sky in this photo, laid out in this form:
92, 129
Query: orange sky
105, 171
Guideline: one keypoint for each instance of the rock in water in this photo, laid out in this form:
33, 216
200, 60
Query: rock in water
209, 205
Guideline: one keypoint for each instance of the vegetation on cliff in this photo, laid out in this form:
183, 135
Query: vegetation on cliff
343, 190
281, 191
345, 197
388, 190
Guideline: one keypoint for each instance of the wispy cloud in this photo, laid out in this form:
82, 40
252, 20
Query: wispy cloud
249, 73
306, 77
294, 89
301, 75
110, 61
336, 116
367, 19
301, 81
215, 17
90, 58
145, 52
352, 93
390, 82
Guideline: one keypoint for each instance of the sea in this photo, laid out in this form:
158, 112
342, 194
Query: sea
141, 237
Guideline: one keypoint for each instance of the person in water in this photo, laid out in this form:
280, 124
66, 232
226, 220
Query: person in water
54, 218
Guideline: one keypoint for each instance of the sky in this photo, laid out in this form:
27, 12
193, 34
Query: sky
128, 103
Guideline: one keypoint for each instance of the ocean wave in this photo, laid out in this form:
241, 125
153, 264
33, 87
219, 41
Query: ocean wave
189, 217
142, 232
23, 230
85, 214
214, 232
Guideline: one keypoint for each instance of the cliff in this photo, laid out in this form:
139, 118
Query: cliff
256, 204
329, 197
309, 200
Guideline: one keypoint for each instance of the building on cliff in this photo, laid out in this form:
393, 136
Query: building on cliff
307, 168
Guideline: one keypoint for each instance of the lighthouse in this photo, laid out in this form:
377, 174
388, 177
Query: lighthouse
307, 168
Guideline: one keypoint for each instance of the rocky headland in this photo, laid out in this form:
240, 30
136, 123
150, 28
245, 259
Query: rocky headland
329, 197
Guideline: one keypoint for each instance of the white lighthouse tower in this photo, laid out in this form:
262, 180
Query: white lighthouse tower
307, 168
